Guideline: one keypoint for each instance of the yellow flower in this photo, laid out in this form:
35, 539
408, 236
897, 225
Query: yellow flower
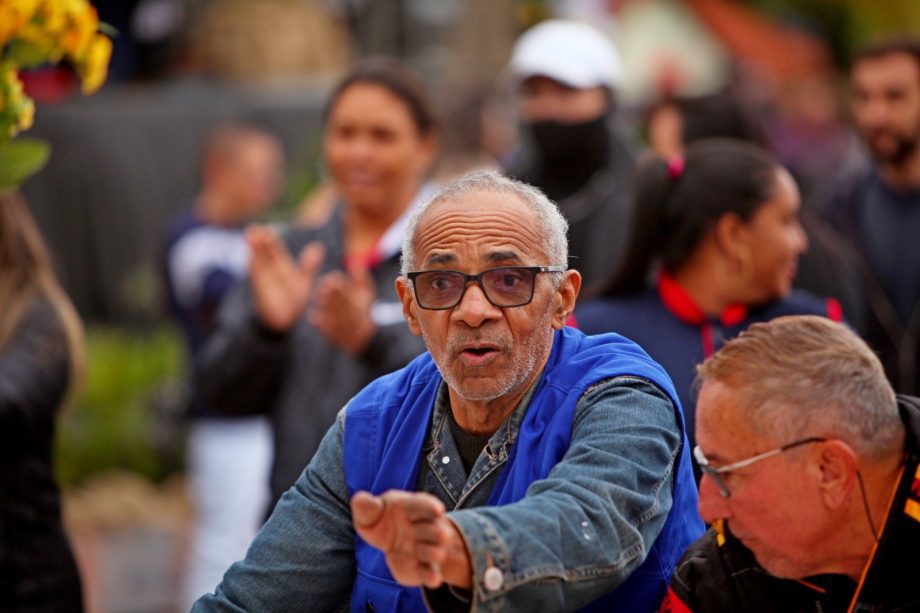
43, 32
39, 33
18, 110
23, 7
93, 66
79, 30
35, 45
14, 14
52, 17
26, 114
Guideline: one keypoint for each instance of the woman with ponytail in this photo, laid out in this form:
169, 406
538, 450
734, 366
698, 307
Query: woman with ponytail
713, 248
41, 349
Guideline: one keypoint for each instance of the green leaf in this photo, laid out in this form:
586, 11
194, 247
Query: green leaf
25, 54
108, 29
20, 159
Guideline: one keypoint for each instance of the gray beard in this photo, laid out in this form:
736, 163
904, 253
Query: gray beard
522, 366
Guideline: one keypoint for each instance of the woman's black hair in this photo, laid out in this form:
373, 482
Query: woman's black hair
399, 81
675, 210
717, 115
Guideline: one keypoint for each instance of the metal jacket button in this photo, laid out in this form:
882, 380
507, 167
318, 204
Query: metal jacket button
494, 579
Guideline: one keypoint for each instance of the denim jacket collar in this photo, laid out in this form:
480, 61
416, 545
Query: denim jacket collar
444, 459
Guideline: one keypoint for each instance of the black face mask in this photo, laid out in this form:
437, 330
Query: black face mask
569, 153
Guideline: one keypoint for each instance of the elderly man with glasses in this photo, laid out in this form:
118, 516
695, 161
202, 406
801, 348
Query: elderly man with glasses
810, 478
518, 465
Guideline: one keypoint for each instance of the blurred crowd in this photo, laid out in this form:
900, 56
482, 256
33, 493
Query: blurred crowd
697, 206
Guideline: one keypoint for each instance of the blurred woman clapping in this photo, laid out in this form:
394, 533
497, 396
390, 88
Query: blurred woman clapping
319, 317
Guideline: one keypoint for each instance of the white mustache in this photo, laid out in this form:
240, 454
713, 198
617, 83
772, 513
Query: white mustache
456, 344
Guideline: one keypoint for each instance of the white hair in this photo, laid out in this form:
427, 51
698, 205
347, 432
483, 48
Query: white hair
553, 224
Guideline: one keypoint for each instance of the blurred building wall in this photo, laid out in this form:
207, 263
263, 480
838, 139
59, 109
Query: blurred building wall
125, 161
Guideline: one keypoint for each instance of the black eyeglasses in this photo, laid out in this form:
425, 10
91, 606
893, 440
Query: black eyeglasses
716, 473
509, 286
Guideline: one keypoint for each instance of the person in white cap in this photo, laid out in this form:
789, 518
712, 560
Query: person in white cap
565, 75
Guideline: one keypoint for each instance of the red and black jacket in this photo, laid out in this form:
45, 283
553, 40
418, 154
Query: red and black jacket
716, 575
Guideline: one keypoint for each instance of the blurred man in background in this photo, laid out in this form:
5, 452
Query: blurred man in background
878, 210
229, 457
566, 74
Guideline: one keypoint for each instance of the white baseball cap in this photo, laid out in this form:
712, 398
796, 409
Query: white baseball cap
571, 52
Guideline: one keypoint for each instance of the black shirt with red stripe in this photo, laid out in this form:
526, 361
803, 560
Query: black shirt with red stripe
667, 323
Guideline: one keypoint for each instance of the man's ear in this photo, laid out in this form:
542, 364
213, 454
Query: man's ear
565, 297
407, 297
837, 466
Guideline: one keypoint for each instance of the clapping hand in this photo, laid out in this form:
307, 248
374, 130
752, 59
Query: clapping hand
281, 287
341, 308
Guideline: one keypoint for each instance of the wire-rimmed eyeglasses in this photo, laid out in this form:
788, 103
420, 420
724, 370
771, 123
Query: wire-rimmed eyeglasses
716, 473
507, 286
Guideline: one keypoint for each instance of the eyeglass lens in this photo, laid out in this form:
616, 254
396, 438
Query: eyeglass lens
503, 287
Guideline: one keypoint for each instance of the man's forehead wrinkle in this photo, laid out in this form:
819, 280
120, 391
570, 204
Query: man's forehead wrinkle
446, 243
485, 208
498, 255
444, 228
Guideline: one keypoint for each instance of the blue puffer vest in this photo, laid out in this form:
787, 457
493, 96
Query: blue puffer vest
386, 425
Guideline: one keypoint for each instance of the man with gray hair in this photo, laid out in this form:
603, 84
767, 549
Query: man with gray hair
810, 477
518, 465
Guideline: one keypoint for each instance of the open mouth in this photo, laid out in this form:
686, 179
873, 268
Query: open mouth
478, 356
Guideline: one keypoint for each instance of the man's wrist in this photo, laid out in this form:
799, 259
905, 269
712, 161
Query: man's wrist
458, 569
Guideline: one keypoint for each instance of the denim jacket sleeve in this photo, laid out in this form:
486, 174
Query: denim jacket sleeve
303, 557
580, 532
573, 538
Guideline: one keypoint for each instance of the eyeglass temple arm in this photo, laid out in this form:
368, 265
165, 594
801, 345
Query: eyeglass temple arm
767, 454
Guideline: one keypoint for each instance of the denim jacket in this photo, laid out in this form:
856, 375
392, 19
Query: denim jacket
574, 537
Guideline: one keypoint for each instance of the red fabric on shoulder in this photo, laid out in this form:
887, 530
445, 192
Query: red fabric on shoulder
673, 604
834, 310
681, 304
